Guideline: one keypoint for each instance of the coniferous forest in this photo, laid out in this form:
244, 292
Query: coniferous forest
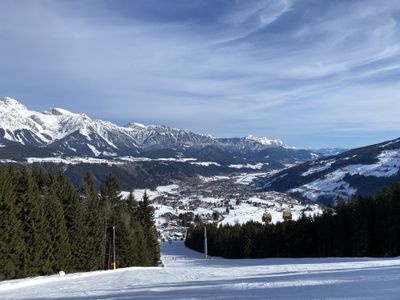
366, 226
47, 225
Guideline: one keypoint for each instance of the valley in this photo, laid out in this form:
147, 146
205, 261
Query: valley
219, 199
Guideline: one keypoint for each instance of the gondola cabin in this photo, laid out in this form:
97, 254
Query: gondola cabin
287, 216
267, 218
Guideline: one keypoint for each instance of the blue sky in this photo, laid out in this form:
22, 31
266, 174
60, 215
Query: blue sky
312, 73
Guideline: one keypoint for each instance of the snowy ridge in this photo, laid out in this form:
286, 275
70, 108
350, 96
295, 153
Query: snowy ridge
265, 141
365, 170
69, 132
333, 183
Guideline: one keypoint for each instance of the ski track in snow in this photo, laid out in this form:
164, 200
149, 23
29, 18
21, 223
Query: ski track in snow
187, 276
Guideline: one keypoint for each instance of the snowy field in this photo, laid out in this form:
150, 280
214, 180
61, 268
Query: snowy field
187, 276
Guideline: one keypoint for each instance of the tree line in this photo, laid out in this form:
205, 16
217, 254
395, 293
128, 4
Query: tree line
47, 225
365, 226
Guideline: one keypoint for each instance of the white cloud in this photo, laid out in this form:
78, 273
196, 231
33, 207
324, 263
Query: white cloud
211, 76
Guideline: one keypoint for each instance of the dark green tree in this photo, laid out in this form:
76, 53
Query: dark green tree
74, 220
57, 229
93, 248
12, 246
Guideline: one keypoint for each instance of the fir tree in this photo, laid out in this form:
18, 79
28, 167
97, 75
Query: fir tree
47, 227
146, 212
74, 214
92, 250
109, 200
38, 254
12, 244
57, 228
146, 216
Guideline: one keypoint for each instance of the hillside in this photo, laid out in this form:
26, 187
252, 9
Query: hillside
363, 170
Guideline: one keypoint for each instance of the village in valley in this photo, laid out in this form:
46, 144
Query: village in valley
222, 200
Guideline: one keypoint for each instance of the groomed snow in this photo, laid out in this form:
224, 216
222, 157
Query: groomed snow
187, 276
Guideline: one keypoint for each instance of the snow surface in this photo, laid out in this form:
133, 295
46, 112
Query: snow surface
265, 141
73, 160
247, 166
322, 166
171, 199
213, 178
246, 211
333, 184
187, 276
94, 150
248, 178
205, 163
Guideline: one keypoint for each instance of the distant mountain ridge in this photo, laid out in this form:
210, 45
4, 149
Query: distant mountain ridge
363, 170
66, 133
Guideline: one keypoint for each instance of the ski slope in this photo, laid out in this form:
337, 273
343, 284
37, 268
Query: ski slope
187, 276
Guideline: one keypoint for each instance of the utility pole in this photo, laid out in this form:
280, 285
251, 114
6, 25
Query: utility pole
205, 243
105, 263
115, 261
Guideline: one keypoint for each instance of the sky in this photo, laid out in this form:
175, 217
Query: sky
314, 73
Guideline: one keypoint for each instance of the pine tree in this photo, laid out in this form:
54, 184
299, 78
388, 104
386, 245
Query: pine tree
74, 214
124, 236
146, 212
40, 177
109, 197
140, 254
38, 254
92, 250
57, 228
137, 252
146, 217
12, 244
47, 227
132, 205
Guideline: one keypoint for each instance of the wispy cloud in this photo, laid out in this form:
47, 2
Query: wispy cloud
288, 69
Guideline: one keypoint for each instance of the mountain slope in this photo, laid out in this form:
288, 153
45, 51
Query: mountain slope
65, 133
364, 170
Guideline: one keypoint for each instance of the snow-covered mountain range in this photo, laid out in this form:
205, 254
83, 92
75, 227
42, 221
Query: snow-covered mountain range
364, 170
68, 133
65, 131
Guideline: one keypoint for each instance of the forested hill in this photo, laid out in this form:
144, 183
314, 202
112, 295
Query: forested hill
48, 226
366, 226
